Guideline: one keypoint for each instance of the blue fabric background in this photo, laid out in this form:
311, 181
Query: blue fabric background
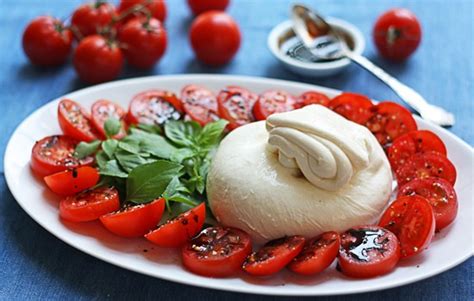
36, 265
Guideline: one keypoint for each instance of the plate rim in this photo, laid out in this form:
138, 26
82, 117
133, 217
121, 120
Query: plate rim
248, 290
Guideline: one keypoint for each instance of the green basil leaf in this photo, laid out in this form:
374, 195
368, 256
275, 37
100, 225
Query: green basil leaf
172, 187
129, 161
84, 149
112, 169
200, 184
185, 199
130, 145
112, 127
150, 128
147, 182
182, 133
110, 146
182, 154
101, 158
153, 144
212, 133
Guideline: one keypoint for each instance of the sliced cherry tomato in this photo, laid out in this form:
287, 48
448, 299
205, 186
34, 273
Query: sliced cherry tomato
312, 98
317, 254
47, 42
176, 232
411, 143
72, 181
134, 221
200, 104
104, 109
154, 107
368, 251
424, 165
235, 105
273, 256
90, 18
200, 6
89, 205
389, 121
54, 154
412, 220
441, 195
397, 34
157, 8
217, 252
75, 121
271, 102
355, 107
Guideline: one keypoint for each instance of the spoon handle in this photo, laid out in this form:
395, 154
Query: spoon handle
407, 94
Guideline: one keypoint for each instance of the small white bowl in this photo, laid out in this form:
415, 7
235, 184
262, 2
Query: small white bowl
284, 31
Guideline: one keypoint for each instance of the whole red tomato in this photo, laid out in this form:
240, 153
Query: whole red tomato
397, 34
215, 37
200, 6
47, 42
157, 8
97, 60
88, 18
143, 41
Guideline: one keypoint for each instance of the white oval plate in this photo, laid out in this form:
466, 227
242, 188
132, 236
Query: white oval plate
449, 248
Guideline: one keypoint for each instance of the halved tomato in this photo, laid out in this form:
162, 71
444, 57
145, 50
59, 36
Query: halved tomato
368, 251
413, 142
134, 221
273, 256
441, 195
353, 106
389, 121
200, 104
72, 181
235, 105
104, 109
412, 220
317, 254
89, 205
312, 98
176, 232
271, 102
75, 121
424, 165
54, 154
217, 252
154, 107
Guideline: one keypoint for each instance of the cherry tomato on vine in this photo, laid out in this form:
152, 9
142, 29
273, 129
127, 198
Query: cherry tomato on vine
214, 37
200, 6
89, 18
397, 34
157, 8
143, 41
47, 42
97, 60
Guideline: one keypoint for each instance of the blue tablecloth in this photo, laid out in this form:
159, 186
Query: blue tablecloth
36, 265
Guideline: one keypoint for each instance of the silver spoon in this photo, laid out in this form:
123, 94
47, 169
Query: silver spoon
327, 44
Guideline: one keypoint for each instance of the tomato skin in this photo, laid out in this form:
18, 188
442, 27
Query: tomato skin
271, 102
424, 165
143, 42
47, 42
54, 154
382, 252
200, 104
413, 142
134, 221
273, 256
104, 109
143, 107
72, 181
353, 106
412, 220
217, 252
97, 60
389, 121
157, 8
90, 17
317, 254
310, 98
75, 122
215, 38
439, 193
200, 6
235, 105
397, 34
89, 205
176, 232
